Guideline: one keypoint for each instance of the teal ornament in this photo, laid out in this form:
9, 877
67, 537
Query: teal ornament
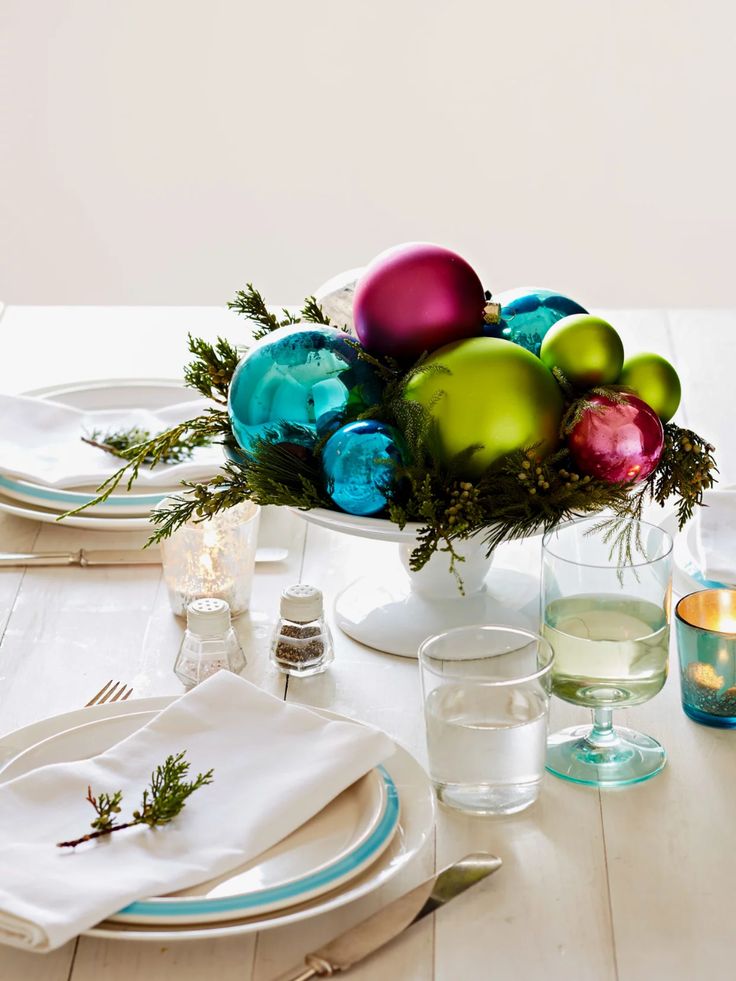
299, 384
359, 462
527, 315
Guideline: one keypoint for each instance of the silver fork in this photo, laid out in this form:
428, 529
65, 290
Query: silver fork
113, 691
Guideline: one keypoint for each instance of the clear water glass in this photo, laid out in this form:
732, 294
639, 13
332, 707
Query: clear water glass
486, 692
607, 617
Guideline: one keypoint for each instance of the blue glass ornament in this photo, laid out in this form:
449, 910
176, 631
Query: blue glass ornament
359, 463
298, 384
527, 315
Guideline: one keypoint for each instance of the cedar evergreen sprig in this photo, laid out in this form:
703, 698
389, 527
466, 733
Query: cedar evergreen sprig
212, 369
213, 426
250, 304
126, 443
162, 801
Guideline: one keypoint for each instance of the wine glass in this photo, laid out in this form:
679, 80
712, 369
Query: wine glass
608, 623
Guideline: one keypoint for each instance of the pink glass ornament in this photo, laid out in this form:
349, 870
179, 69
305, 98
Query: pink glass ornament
617, 443
417, 297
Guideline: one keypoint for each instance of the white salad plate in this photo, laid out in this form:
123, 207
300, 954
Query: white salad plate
124, 510
352, 847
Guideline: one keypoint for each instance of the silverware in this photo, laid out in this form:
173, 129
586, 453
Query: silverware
113, 691
365, 938
110, 556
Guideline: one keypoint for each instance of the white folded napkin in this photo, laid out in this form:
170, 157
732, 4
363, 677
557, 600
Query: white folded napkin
41, 441
276, 765
714, 537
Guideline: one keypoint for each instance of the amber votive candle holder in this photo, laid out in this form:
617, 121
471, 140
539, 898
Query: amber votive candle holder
706, 643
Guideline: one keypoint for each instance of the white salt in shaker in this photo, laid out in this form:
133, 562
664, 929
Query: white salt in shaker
209, 643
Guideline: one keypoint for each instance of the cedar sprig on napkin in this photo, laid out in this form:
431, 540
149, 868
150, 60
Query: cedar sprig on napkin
160, 804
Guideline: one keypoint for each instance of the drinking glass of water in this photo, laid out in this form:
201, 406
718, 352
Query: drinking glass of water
486, 696
607, 616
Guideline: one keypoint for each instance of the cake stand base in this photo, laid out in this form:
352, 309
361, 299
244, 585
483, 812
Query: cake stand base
394, 611
395, 618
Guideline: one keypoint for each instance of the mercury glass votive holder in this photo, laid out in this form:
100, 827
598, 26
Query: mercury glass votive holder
706, 642
213, 558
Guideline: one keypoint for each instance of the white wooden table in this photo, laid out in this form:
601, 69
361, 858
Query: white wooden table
636, 884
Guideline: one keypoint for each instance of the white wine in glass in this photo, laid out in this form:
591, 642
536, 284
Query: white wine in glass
608, 624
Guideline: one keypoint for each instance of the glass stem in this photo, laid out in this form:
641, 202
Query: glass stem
602, 732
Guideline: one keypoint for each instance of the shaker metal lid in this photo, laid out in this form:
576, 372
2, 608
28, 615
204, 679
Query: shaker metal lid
301, 603
208, 617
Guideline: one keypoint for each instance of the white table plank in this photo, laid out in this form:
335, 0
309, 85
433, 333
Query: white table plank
229, 959
670, 840
18, 965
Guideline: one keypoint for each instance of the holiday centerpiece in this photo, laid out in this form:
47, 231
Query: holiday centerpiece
436, 410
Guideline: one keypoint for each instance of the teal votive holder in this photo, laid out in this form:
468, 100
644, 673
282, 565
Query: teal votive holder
706, 642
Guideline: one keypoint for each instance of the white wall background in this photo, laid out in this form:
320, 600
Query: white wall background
168, 151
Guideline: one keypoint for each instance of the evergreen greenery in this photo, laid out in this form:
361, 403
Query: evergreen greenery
523, 494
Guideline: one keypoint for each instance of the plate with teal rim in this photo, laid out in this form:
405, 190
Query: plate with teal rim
120, 509
48, 498
687, 559
331, 849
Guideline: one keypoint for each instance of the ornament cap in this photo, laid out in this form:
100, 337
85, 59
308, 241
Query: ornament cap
492, 313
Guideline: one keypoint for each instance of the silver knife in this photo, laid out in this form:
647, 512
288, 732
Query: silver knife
370, 935
110, 556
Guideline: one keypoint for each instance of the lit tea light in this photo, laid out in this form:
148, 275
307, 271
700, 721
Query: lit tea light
213, 558
706, 641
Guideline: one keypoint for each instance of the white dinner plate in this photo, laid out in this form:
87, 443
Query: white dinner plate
402, 774
123, 511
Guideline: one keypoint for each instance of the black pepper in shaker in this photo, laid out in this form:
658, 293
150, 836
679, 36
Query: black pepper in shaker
302, 642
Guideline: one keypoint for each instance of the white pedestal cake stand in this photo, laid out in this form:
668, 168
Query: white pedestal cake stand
396, 612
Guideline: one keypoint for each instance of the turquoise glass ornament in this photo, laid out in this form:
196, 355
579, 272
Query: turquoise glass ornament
298, 384
527, 315
359, 463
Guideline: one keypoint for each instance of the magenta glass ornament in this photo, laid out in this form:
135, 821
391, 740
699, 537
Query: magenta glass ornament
617, 443
415, 298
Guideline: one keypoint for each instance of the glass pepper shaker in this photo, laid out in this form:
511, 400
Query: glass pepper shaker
209, 643
302, 642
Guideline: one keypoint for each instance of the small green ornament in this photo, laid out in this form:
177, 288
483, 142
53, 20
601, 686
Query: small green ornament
587, 350
497, 395
655, 381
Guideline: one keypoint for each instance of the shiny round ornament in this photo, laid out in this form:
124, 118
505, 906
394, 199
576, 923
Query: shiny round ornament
415, 298
496, 394
655, 381
359, 463
616, 443
587, 350
336, 297
297, 384
527, 315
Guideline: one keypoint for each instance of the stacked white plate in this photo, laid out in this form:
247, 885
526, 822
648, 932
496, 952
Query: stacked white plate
355, 845
122, 511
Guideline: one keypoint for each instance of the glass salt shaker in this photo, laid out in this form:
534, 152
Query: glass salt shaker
209, 643
302, 642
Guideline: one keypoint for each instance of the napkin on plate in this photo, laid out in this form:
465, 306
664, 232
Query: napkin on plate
276, 765
713, 539
41, 441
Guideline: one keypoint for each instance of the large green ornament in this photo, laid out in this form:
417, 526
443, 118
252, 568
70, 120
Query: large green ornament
655, 381
496, 394
586, 349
